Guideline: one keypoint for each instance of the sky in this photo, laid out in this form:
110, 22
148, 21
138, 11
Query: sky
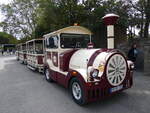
1, 15
3, 2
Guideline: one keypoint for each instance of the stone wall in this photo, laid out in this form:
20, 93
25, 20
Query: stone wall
140, 46
147, 58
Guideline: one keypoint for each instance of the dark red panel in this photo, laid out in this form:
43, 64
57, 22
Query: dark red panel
91, 60
65, 59
40, 59
25, 56
110, 20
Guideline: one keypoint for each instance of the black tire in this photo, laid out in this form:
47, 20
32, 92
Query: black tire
47, 75
80, 100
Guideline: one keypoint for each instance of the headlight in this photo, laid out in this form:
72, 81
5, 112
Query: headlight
132, 67
94, 73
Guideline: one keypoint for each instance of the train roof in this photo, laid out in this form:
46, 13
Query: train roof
71, 29
20, 44
34, 40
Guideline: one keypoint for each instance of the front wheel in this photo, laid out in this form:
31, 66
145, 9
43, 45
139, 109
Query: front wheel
47, 75
77, 91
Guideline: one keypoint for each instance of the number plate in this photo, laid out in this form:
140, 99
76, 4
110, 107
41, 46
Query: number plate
114, 89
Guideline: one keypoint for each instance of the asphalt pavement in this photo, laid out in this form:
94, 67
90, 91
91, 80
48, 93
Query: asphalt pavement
26, 91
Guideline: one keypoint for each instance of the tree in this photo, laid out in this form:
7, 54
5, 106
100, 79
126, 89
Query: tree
56, 14
48, 17
142, 15
34, 18
7, 38
20, 18
147, 18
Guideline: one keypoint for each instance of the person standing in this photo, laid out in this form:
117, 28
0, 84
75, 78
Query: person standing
132, 54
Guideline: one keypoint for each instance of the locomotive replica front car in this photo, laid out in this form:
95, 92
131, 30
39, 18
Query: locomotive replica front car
101, 72
90, 74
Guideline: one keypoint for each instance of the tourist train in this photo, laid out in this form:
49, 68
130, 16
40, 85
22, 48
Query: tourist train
67, 56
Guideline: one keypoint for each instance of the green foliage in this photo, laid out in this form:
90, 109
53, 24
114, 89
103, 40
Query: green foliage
20, 18
55, 15
7, 38
141, 16
23, 40
29, 19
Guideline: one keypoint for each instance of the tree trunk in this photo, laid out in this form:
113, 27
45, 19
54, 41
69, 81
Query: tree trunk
147, 19
141, 26
146, 29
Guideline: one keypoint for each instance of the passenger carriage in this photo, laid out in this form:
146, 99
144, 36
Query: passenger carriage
35, 54
89, 73
21, 53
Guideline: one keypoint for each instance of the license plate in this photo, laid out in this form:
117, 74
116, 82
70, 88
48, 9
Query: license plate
117, 88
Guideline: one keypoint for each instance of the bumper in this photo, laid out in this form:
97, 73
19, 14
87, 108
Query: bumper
98, 91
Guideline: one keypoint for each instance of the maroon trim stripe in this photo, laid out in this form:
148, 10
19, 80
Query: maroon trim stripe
90, 63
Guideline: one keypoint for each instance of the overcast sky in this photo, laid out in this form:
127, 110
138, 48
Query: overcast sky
3, 2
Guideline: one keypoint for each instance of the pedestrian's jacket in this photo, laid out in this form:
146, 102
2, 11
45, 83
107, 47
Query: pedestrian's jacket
132, 54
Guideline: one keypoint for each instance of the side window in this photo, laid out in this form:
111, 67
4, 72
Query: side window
55, 38
52, 42
47, 42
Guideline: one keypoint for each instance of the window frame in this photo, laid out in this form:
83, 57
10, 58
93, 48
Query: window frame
47, 41
90, 39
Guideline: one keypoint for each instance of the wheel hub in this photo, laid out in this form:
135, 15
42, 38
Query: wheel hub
116, 69
47, 74
76, 90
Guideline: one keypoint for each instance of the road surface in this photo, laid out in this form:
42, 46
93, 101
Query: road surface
25, 91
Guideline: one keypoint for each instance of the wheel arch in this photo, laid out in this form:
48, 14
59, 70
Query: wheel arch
46, 66
70, 76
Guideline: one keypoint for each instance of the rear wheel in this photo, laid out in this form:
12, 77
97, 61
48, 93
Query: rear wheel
77, 92
47, 75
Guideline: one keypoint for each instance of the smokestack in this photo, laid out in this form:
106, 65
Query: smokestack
110, 20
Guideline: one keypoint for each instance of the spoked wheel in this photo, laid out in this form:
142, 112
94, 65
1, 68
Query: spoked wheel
77, 91
116, 69
47, 75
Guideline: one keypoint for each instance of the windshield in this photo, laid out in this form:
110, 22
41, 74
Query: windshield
74, 40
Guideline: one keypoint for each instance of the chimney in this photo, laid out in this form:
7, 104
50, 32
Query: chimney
110, 20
